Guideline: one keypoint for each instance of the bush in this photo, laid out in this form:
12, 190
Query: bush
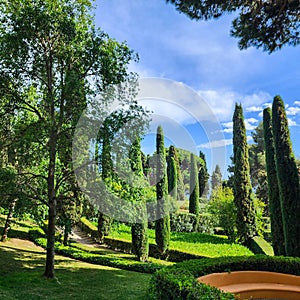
185, 222
179, 281
182, 222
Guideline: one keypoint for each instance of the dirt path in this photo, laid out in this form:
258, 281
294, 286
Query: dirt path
82, 238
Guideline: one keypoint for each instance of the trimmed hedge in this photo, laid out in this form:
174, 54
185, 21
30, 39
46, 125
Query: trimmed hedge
37, 235
179, 281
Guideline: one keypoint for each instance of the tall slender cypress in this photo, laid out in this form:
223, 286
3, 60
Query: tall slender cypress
172, 173
162, 224
273, 188
203, 176
243, 198
288, 178
194, 187
194, 203
139, 235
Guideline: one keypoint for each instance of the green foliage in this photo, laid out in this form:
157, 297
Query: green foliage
172, 178
139, 233
223, 209
243, 197
203, 176
288, 178
53, 61
194, 188
179, 281
273, 188
267, 24
162, 224
216, 178
257, 163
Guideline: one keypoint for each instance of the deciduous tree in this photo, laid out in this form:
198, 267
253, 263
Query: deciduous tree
53, 48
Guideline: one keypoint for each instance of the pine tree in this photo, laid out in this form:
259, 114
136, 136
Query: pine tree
139, 235
288, 178
243, 198
203, 176
273, 188
162, 224
194, 204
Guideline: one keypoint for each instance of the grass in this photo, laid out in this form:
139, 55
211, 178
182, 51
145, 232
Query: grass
191, 242
22, 265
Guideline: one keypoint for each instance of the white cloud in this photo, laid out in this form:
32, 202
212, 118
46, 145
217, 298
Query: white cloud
251, 123
297, 103
216, 144
292, 111
254, 109
292, 122
222, 102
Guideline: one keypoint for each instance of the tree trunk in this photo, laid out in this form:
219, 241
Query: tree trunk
49, 270
67, 230
8, 220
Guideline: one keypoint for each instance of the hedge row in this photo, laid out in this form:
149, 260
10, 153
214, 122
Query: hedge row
37, 235
126, 247
179, 281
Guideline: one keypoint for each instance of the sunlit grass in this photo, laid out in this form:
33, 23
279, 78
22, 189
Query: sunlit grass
191, 242
22, 265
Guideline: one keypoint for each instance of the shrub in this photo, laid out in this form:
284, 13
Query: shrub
185, 222
179, 281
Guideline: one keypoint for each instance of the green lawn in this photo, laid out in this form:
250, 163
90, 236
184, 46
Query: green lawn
191, 242
22, 266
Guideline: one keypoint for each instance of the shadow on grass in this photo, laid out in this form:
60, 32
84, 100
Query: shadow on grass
21, 278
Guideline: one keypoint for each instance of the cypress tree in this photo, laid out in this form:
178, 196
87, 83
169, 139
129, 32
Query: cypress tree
162, 224
288, 179
172, 173
273, 188
203, 176
139, 235
180, 185
216, 178
194, 187
243, 198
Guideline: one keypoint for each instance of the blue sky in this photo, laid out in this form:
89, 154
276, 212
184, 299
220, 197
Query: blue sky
205, 59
